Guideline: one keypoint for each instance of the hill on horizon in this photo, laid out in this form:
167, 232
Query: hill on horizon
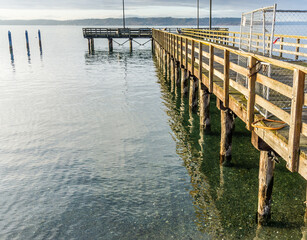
134, 21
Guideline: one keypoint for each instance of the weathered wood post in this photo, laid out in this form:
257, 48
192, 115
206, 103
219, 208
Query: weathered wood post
11, 45
89, 45
92, 45
193, 93
168, 65
165, 64
204, 96
27, 43
204, 107
227, 129
152, 46
110, 44
130, 44
40, 42
184, 81
266, 179
172, 74
177, 74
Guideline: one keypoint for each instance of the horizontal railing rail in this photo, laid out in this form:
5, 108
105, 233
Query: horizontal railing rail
117, 32
284, 46
217, 67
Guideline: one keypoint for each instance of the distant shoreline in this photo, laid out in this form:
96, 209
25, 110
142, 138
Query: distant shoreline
168, 21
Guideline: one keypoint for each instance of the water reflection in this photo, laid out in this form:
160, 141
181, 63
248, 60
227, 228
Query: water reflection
225, 199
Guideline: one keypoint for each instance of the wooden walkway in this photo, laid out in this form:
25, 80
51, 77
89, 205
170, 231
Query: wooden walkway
212, 68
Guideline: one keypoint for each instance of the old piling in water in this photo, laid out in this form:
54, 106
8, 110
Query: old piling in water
184, 82
130, 44
227, 129
110, 40
92, 45
27, 43
11, 45
266, 180
193, 93
204, 107
40, 42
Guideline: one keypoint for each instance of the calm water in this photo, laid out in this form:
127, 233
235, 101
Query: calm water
97, 147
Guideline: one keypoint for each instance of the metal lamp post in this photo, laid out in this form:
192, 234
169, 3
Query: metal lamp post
197, 13
124, 24
210, 18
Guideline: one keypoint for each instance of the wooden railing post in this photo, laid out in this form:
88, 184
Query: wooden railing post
226, 78
281, 46
186, 53
211, 61
297, 49
181, 54
200, 65
296, 119
192, 57
234, 40
177, 57
251, 91
174, 47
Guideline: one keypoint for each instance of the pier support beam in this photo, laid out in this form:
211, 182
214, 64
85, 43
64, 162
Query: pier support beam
89, 45
184, 82
227, 129
204, 108
165, 67
177, 74
193, 93
168, 65
130, 44
110, 44
172, 77
266, 179
152, 46
92, 45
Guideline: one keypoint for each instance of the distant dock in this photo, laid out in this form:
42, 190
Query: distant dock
110, 33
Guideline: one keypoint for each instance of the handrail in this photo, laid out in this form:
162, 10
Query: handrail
292, 42
190, 48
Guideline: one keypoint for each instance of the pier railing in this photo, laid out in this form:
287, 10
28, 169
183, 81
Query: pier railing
216, 67
117, 32
284, 46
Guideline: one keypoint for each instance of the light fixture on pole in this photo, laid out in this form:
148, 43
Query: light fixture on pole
124, 24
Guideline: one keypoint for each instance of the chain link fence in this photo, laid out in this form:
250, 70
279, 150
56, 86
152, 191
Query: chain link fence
273, 33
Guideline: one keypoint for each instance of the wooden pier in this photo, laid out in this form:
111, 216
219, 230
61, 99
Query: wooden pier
110, 33
207, 61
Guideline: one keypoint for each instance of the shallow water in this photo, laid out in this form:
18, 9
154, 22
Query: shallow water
97, 147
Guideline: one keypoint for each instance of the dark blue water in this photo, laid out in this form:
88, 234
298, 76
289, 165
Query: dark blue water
97, 147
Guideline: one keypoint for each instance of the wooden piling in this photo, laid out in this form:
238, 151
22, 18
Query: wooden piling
165, 64
10, 44
204, 107
130, 44
152, 45
172, 77
266, 179
40, 42
184, 82
193, 93
110, 44
27, 43
168, 65
227, 129
92, 45
177, 73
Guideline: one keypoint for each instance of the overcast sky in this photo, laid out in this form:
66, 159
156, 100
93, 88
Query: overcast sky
79, 9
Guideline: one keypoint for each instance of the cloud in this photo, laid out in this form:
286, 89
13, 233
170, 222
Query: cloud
141, 8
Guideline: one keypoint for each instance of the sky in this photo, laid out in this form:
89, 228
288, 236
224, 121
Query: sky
80, 9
